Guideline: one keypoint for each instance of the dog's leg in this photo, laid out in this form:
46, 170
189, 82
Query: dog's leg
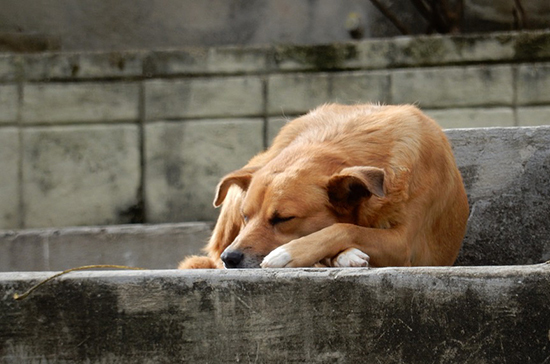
384, 247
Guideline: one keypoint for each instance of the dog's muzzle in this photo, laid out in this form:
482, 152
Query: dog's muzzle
232, 258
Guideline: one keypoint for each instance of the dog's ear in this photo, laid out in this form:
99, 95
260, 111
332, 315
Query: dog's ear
241, 178
349, 186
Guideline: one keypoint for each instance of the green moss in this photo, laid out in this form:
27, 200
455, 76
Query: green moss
321, 57
426, 49
532, 46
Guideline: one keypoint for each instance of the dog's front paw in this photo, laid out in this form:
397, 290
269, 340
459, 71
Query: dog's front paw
278, 258
351, 257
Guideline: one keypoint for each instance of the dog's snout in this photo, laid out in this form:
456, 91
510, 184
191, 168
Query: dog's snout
232, 258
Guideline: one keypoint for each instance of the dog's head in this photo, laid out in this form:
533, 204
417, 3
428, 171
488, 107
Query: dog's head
283, 203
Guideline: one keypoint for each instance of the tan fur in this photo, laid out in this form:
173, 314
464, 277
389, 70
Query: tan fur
381, 179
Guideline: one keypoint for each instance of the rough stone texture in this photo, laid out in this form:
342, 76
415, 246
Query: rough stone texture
8, 103
292, 94
360, 87
82, 65
8, 67
9, 177
297, 93
185, 161
80, 175
473, 117
82, 102
23, 251
532, 116
152, 247
203, 60
439, 49
533, 84
407, 315
506, 172
203, 97
274, 125
454, 86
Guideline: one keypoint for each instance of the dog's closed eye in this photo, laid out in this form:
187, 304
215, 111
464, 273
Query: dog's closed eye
276, 219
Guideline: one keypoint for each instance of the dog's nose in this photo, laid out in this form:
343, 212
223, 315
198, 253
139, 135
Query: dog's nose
232, 258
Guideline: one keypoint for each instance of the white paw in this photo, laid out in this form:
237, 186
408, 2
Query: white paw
351, 258
278, 258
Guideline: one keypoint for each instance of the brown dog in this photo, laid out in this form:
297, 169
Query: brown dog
343, 186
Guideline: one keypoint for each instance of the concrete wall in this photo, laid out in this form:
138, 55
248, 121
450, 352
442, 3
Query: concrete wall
415, 315
108, 138
156, 24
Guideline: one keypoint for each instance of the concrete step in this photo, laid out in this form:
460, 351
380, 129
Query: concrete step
147, 246
389, 315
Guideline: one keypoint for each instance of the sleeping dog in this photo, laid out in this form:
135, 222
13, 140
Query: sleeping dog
343, 186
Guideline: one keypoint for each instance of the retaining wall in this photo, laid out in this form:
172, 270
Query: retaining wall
414, 315
110, 138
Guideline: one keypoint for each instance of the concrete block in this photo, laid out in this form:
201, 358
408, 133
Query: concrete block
438, 49
533, 84
203, 97
146, 246
185, 161
48, 66
206, 60
454, 86
375, 54
361, 87
274, 125
406, 315
238, 59
506, 173
297, 93
80, 102
9, 100
8, 67
80, 175
473, 117
22, 251
153, 247
318, 57
107, 65
53, 66
535, 115
176, 62
9, 178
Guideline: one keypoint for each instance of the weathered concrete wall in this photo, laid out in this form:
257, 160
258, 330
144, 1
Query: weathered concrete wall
415, 315
506, 172
154, 24
154, 247
111, 138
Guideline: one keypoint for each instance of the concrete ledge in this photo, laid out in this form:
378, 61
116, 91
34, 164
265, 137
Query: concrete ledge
147, 246
406, 315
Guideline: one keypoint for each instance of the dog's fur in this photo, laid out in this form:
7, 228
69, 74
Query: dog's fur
343, 186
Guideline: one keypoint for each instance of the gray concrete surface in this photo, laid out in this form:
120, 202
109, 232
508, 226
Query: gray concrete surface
158, 246
27, 25
415, 315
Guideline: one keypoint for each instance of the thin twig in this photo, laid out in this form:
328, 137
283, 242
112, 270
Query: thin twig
19, 297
